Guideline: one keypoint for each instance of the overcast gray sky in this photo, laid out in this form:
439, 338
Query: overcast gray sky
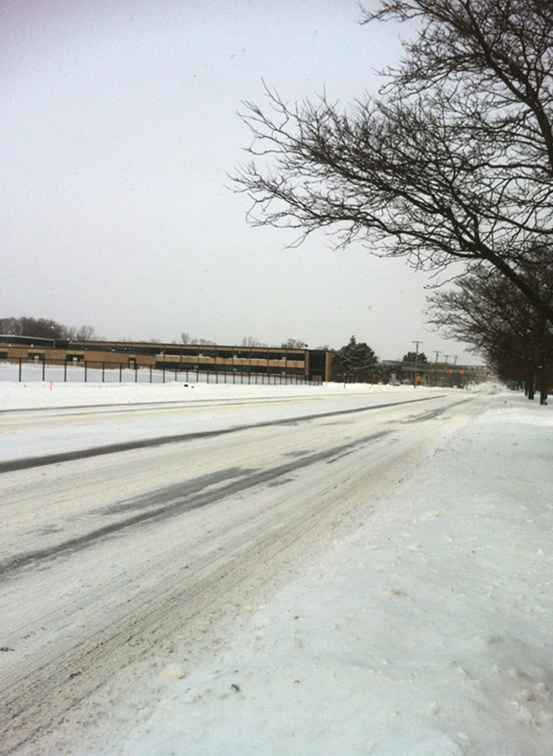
119, 128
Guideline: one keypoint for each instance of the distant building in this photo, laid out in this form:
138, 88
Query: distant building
434, 373
312, 364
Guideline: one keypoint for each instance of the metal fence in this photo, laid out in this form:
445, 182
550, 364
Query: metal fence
26, 371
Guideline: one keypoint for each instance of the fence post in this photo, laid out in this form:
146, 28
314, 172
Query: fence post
103, 371
20, 370
135, 373
120, 373
163, 373
43, 370
150, 373
175, 375
85, 371
65, 372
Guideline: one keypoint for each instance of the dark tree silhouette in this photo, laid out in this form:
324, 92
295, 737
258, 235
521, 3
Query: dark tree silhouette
490, 313
412, 357
45, 328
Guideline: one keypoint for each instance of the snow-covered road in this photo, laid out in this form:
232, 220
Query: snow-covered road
53, 432
123, 574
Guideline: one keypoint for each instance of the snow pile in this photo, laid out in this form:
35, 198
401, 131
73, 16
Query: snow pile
488, 387
427, 633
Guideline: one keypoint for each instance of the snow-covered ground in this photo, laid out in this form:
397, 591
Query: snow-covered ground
87, 416
35, 394
427, 632
374, 583
32, 372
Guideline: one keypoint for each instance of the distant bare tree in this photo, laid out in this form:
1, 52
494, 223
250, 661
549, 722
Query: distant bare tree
489, 312
294, 344
453, 163
10, 326
251, 341
44, 328
86, 333
185, 337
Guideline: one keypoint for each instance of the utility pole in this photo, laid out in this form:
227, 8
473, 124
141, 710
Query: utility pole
446, 358
455, 356
435, 374
416, 342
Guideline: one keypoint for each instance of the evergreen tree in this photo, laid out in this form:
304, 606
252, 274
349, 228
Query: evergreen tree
355, 357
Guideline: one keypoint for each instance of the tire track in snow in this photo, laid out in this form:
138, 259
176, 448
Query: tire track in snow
180, 498
96, 451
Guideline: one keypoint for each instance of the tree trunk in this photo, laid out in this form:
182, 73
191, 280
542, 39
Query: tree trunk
543, 385
531, 387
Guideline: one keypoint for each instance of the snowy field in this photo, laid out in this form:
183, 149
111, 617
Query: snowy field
32, 372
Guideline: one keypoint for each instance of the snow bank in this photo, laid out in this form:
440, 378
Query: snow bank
427, 633
488, 387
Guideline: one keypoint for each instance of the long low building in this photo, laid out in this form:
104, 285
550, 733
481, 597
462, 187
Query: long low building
312, 364
435, 373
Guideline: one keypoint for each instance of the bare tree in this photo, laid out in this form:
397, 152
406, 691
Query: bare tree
186, 338
86, 333
252, 341
489, 312
45, 328
293, 344
453, 163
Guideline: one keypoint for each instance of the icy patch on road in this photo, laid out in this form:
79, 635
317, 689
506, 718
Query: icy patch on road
428, 633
